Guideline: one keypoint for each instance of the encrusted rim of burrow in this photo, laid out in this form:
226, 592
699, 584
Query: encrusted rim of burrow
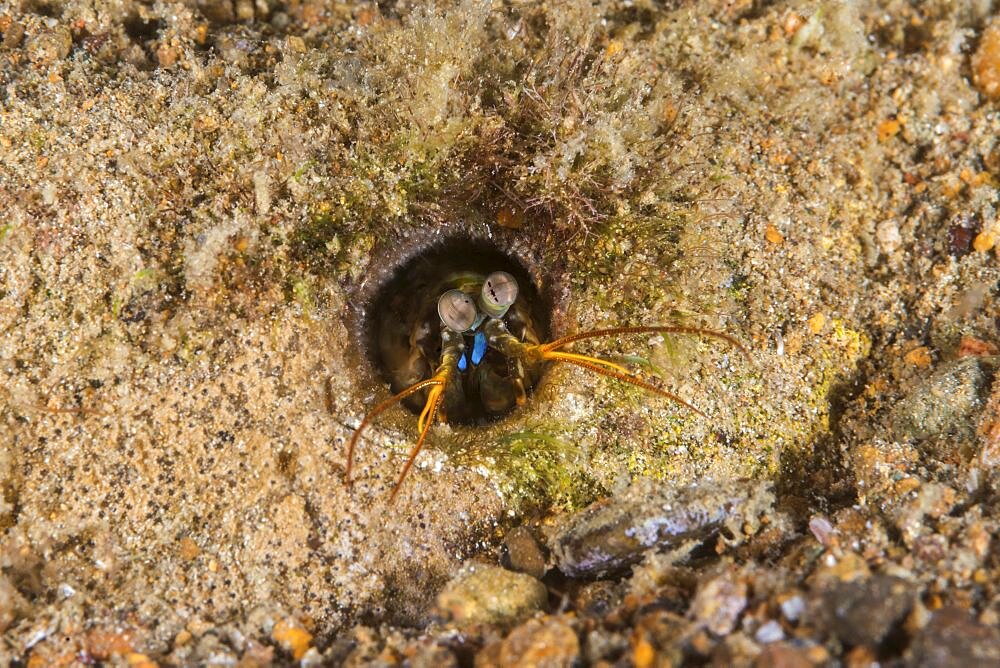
531, 250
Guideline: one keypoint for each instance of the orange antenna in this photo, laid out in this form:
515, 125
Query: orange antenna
617, 331
426, 420
591, 364
378, 410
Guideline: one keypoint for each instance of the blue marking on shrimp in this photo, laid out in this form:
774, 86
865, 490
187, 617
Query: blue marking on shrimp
478, 348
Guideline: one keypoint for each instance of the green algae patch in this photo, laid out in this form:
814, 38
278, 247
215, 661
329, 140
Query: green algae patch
537, 472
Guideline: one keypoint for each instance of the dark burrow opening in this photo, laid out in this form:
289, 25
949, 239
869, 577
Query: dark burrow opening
403, 329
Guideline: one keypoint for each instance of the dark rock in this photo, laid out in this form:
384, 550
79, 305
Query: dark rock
863, 612
653, 515
597, 599
952, 638
523, 553
217, 11
13, 34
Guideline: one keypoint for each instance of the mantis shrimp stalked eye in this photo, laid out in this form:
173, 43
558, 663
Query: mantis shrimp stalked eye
498, 294
457, 311
476, 353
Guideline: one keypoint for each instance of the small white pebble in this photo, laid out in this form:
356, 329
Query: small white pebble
793, 608
37, 637
262, 191
49, 194
821, 529
311, 658
769, 632
889, 238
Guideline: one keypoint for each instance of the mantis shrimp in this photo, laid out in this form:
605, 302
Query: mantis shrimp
479, 355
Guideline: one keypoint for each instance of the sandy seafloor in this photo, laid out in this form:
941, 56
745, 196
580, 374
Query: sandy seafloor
197, 198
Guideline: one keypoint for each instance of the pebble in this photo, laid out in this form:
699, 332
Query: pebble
888, 236
49, 45
167, 55
793, 608
657, 640
735, 650
139, 660
313, 659
953, 638
649, 515
234, 49
888, 129
188, 549
212, 651
847, 567
602, 644
719, 603
430, 655
772, 235
984, 241
783, 655
244, 10
970, 346
292, 637
103, 643
919, 357
931, 500
486, 594
863, 612
13, 33
816, 323
523, 553
549, 642
986, 62
769, 632
217, 11
12, 604
943, 403
597, 599
510, 217
822, 530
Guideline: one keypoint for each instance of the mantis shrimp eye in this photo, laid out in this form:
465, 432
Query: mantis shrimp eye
498, 294
457, 310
